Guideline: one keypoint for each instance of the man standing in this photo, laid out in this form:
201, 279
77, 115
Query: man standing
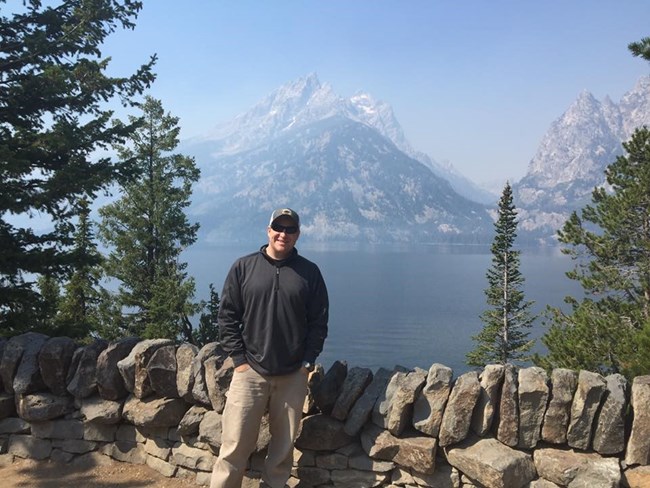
273, 323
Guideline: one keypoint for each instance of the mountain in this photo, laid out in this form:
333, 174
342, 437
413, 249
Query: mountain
572, 156
344, 164
306, 100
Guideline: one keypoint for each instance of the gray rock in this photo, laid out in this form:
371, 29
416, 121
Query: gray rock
575, 469
382, 406
135, 364
430, 403
3, 343
82, 375
413, 451
27, 446
508, 412
101, 411
400, 409
154, 411
185, 354
209, 428
19, 366
58, 429
7, 405
354, 385
218, 375
532, 397
362, 409
352, 478
54, 361
322, 433
14, 425
492, 464
591, 388
109, 380
638, 445
458, 415
199, 388
192, 458
330, 387
161, 370
189, 424
558, 413
44, 406
609, 434
491, 379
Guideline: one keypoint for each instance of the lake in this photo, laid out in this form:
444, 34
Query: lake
412, 305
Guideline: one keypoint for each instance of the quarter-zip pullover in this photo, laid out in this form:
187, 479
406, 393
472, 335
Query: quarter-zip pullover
273, 314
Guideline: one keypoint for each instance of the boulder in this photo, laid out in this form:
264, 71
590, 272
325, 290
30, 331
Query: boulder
362, 408
532, 398
591, 388
354, 385
430, 403
609, 434
199, 387
185, 354
400, 409
330, 387
135, 364
490, 379
412, 451
19, 366
7, 405
322, 433
82, 375
154, 411
508, 411
44, 406
109, 380
558, 413
54, 362
218, 375
209, 428
492, 464
565, 467
189, 424
161, 370
457, 417
97, 409
638, 444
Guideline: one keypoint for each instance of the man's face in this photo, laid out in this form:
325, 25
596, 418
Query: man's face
281, 240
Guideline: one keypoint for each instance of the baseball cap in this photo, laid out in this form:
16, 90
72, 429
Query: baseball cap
285, 212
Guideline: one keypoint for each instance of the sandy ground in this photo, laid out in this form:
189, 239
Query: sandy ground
25, 473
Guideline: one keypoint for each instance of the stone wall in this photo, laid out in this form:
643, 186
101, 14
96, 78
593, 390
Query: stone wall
157, 403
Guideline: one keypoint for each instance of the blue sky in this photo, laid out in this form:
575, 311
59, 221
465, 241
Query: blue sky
476, 83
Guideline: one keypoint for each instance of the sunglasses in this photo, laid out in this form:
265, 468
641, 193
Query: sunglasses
287, 229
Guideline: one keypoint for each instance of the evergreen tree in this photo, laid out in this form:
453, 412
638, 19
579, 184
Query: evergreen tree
54, 92
504, 337
208, 330
78, 317
641, 48
610, 242
147, 229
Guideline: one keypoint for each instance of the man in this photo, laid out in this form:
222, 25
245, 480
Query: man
273, 323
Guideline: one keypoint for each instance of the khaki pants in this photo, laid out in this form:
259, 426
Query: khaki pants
247, 400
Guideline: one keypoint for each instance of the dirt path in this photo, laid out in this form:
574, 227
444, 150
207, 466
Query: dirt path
25, 473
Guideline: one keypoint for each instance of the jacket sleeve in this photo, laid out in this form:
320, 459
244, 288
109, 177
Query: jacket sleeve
230, 315
317, 318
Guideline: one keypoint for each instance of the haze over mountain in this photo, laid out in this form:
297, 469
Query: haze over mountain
572, 156
345, 163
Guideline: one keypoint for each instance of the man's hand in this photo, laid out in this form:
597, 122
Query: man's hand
243, 367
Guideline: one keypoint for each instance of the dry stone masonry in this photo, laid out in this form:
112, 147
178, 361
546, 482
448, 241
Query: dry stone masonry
158, 403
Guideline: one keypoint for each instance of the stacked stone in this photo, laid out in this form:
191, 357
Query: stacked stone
157, 403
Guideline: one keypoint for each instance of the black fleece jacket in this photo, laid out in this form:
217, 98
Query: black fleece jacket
273, 314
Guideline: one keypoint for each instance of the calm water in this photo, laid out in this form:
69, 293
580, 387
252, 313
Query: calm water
407, 305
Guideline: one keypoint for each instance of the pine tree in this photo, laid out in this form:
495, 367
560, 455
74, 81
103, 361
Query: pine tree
208, 330
78, 310
54, 92
504, 337
147, 230
610, 241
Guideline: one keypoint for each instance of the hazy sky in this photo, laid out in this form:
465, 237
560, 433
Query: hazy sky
475, 82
